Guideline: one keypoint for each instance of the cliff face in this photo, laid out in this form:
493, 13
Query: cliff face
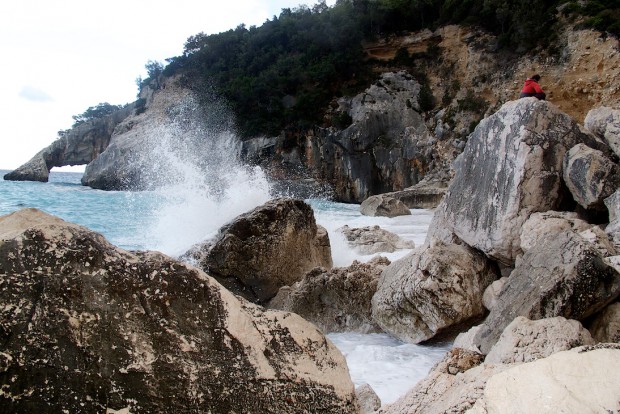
385, 139
393, 146
79, 146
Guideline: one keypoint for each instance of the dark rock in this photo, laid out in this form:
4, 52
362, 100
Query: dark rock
79, 146
590, 176
337, 300
272, 246
86, 327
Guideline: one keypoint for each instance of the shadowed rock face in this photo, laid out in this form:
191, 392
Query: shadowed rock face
87, 327
79, 146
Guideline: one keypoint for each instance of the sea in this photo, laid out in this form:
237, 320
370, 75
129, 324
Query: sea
180, 213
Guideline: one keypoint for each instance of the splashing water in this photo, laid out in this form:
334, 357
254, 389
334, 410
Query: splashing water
198, 179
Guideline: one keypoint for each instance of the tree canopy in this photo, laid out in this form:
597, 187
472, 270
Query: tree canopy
284, 73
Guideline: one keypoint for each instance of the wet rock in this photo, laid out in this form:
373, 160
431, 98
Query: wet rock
525, 341
561, 275
432, 290
384, 206
590, 176
272, 246
337, 300
88, 327
374, 239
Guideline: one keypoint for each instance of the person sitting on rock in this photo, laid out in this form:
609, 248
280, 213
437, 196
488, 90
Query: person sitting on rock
532, 88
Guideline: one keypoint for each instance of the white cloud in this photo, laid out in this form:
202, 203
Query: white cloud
31, 93
82, 53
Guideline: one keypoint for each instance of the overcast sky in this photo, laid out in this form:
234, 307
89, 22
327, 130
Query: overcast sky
59, 57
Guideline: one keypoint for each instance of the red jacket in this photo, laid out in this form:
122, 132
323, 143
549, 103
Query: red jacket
531, 87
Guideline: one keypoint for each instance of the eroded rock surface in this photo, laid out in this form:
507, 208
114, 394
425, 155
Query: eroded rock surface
337, 300
88, 327
510, 168
272, 246
374, 239
384, 206
431, 290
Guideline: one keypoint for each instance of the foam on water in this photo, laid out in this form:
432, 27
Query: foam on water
389, 366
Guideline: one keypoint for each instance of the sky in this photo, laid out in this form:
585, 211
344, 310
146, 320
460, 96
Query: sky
60, 57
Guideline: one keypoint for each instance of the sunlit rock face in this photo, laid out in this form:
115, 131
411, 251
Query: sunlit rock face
88, 327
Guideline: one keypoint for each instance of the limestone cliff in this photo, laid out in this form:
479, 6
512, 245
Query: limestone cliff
79, 146
389, 138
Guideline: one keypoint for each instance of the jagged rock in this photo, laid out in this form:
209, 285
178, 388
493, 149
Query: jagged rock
387, 147
337, 300
590, 176
491, 293
606, 326
605, 123
88, 327
510, 168
374, 239
272, 246
613, 228
540, 225
561, 275
79, 146
432, 290
524, 340
368, 399
444, 392
582, 380
384, 206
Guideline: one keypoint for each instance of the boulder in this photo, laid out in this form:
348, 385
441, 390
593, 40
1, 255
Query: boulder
524, 340
540, 225
374, 239
590, 176
613, 228
606, 325
448, 388
422, 195
465, 340
384, 206
582, 380
491, 293
88, 327
510, 168
431, 291
337, 300
604, 122
561, 275
272, 246
368, 399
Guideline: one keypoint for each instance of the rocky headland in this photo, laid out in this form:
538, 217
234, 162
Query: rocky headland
521, 262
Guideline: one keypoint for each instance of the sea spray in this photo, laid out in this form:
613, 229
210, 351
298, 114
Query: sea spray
193, 168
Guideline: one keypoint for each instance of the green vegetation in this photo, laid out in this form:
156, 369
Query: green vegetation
283, 74
94, 112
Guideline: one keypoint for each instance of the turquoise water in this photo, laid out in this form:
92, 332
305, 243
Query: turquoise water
175, 217
123, 217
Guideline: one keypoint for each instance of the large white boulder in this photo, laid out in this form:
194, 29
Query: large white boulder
510, 168
431, 290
